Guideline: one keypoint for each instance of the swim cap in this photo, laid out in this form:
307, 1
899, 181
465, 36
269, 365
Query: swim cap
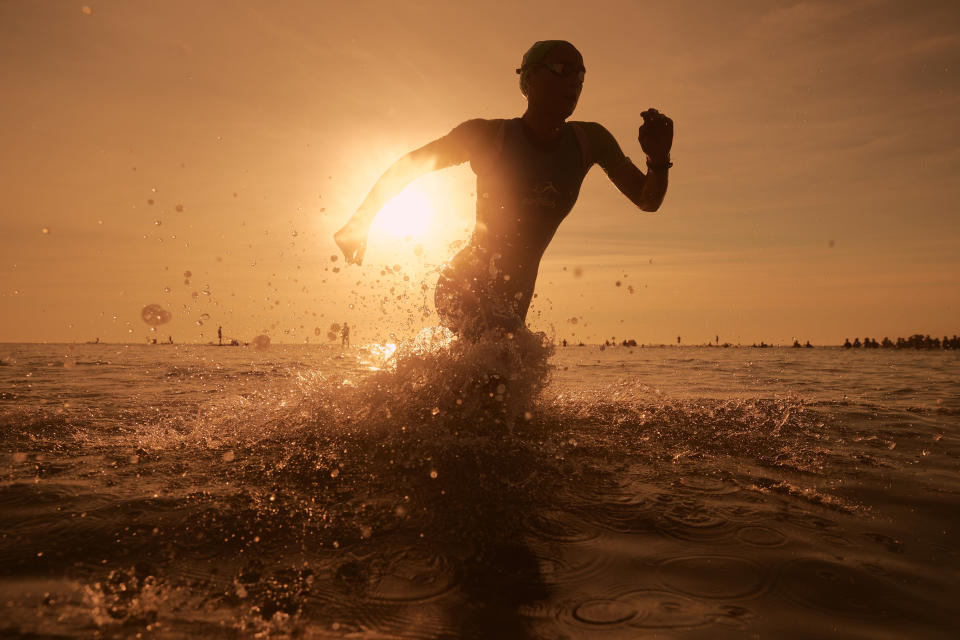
533, 56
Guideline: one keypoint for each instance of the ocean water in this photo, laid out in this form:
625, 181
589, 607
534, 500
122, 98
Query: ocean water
500, 490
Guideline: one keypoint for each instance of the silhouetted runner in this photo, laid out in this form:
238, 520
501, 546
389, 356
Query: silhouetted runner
529, 171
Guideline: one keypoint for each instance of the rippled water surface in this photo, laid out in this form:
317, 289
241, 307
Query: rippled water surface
502, 490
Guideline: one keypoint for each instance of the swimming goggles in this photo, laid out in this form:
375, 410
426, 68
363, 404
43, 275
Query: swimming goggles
561, 69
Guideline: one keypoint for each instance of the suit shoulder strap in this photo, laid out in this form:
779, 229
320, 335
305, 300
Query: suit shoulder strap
499, 138
584, 141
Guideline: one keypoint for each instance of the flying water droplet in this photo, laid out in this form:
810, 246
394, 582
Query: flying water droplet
155, 315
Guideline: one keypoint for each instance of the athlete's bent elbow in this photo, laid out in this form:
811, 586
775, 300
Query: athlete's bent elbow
648, 206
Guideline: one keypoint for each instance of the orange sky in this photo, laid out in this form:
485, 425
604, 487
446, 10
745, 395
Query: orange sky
814, 192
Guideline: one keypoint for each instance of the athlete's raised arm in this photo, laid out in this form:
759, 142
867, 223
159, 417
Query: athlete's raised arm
352, 237
451, 149
656, 138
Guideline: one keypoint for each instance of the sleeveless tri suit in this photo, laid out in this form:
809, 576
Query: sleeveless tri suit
524, 192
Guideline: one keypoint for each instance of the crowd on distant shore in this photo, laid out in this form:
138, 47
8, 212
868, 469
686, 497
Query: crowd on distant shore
916, 341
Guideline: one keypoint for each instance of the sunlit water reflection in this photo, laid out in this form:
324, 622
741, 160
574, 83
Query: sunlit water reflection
504, 490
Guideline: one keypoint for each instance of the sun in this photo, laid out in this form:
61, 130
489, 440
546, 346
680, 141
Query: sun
408, 214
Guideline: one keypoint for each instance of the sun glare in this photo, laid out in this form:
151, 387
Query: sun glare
409, 214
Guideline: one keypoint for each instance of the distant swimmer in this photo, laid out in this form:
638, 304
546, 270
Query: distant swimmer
345, 336
529, 171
